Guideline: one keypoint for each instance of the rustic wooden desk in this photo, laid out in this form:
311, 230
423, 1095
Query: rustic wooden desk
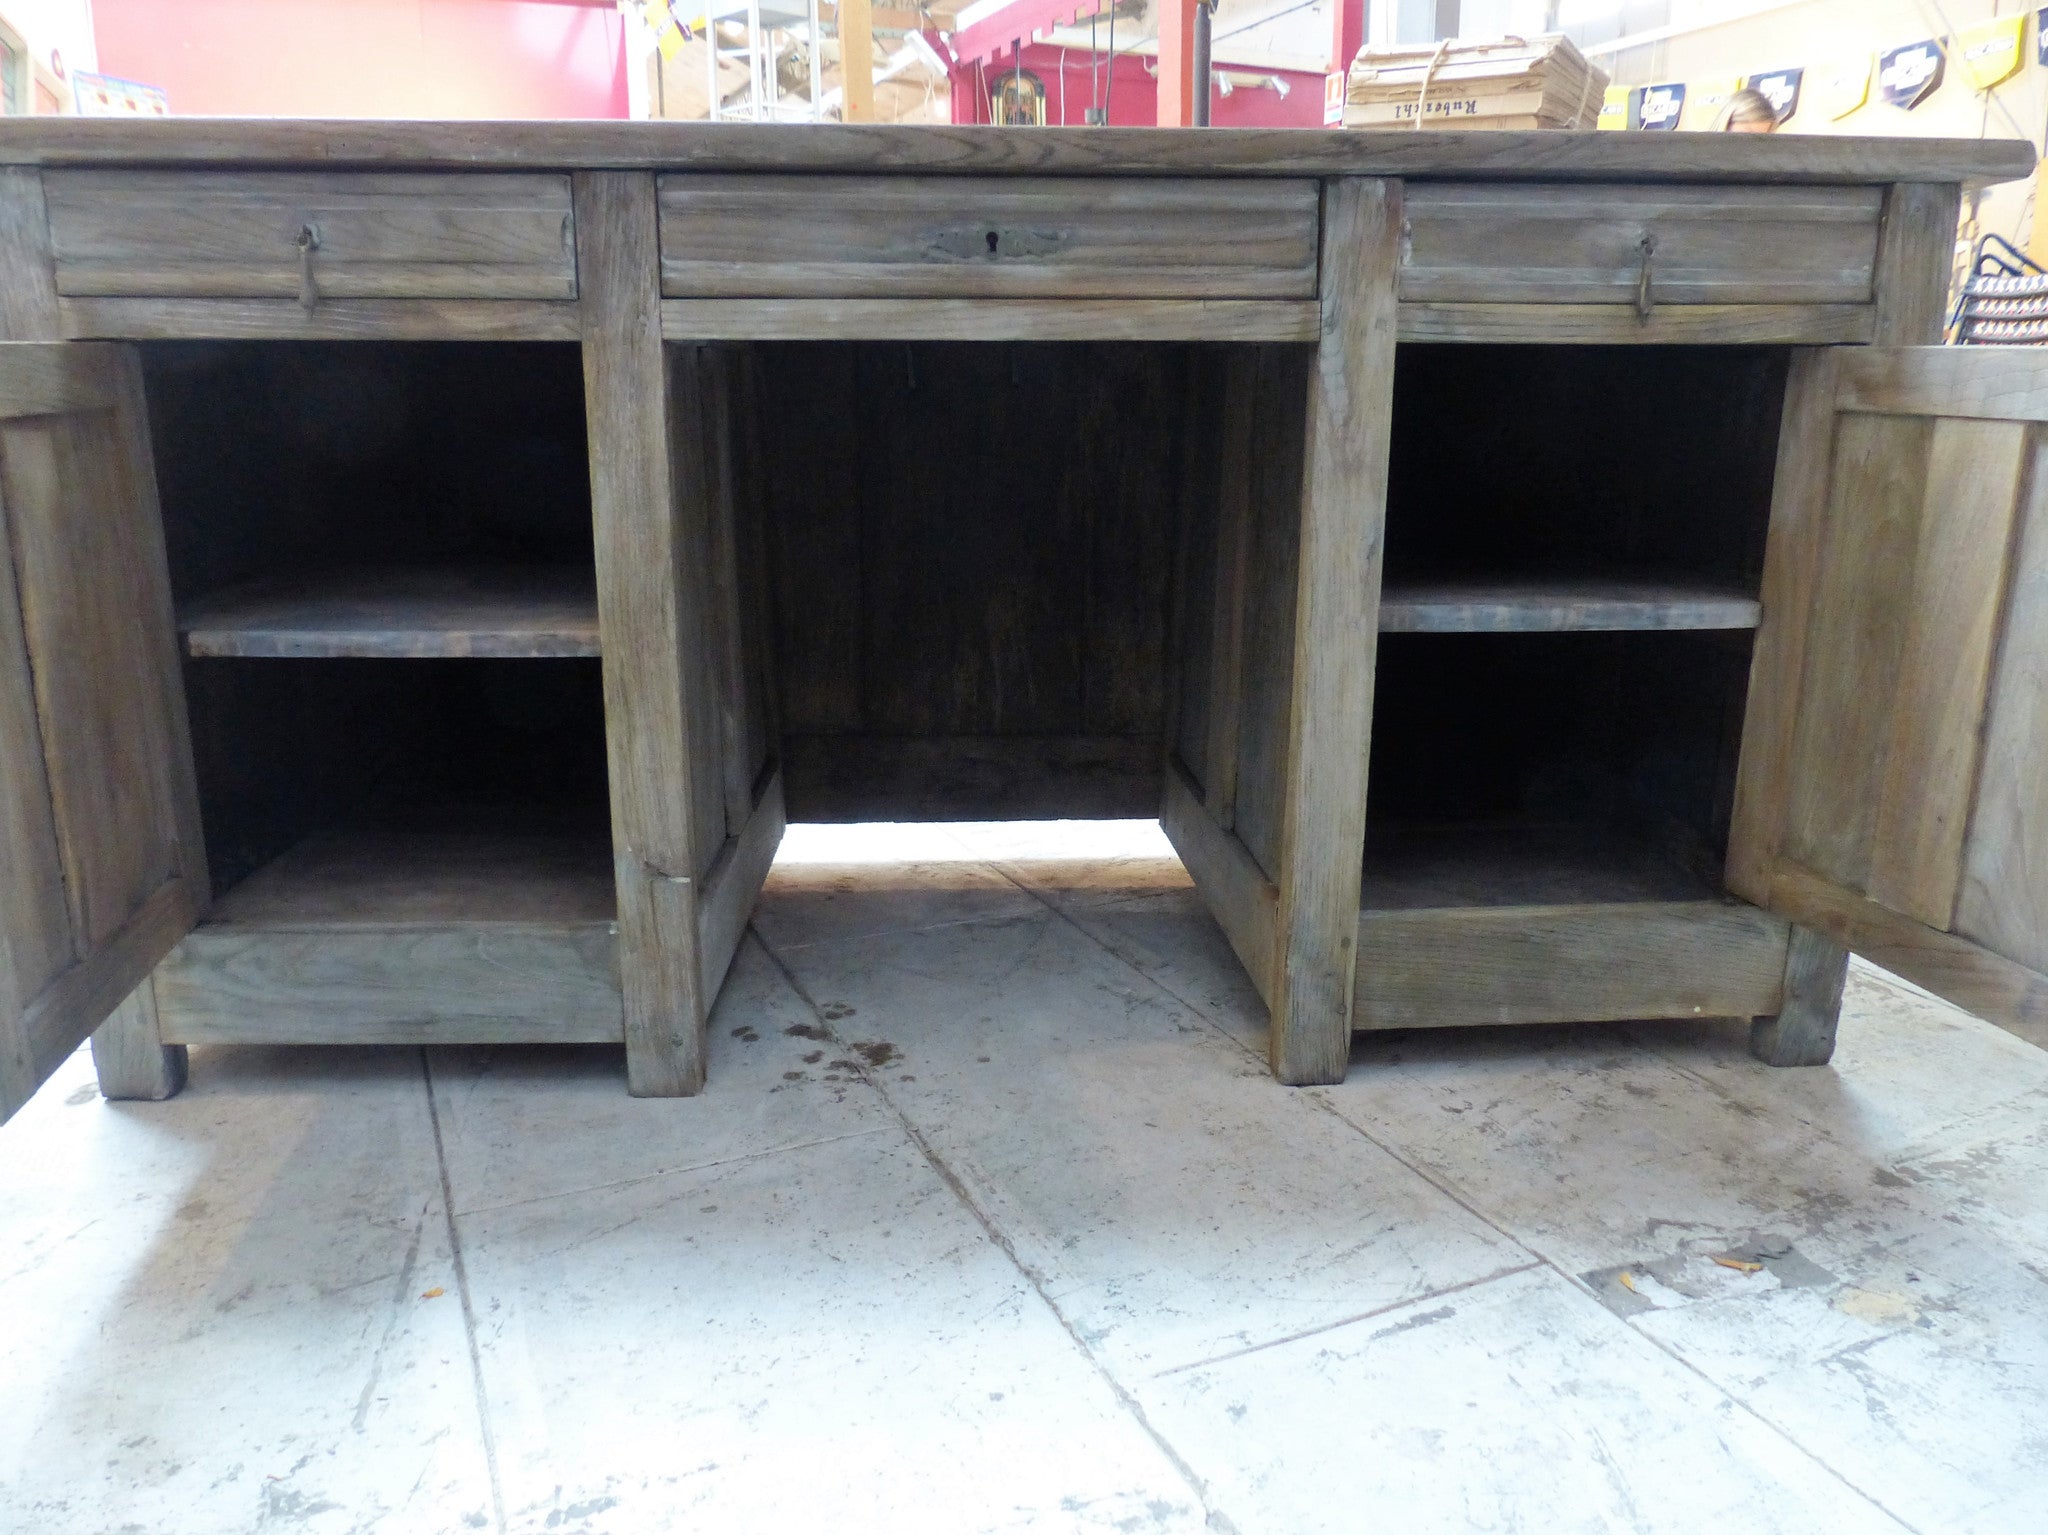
440, 553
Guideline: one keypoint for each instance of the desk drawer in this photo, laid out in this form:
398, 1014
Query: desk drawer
232, 234
954, 237
1571, 244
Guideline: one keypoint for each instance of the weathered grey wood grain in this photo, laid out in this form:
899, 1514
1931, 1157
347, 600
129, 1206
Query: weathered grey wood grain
1959, 383
992, 319
1802, 1031
642, 598
1619, 324
505, 612
1343, 520
28, 289
341, 319
2013, 996
1915, 259
1854, 648
1224, 714
868, 149
1937, 701
104, 865
129, 1056
205, 234
1477, 965
2003, 902
1243, 901
916, 237
550, 983
1792, 558
1576, 245
1544, 606
734, 884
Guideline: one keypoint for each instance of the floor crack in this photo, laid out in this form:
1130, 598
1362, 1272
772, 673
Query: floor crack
462, 1290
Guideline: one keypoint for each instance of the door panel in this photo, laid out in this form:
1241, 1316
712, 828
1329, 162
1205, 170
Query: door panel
101, 866
1895, 716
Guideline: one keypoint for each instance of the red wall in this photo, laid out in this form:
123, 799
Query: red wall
1134, 103
371, 58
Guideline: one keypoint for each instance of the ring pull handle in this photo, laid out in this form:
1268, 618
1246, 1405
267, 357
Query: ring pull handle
308, 242
1645, 298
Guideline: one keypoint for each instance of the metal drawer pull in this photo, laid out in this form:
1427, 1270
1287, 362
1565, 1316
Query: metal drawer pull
1645, 301
308, 242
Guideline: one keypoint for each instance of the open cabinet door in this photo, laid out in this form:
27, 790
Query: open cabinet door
1893, 791
101, 863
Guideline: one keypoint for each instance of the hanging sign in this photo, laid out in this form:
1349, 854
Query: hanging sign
1659, 107
1908, 76
1780, 88
1617, 108
1334, 84
1990, 51
1842, 88
2041, 35
1706, 99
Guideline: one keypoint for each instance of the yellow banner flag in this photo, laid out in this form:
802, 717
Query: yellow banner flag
1614, 107
1842, 87
669, 40
1990, 51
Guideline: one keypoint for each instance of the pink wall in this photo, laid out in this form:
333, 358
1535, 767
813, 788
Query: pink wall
1134, 103
371, 58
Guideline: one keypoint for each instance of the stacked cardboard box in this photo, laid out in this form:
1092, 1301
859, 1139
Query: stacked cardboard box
1536, 82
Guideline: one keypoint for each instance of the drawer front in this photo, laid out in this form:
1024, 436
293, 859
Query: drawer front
227, 234
1538, 244
954, 237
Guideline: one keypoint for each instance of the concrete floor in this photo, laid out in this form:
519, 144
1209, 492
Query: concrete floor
992, 1220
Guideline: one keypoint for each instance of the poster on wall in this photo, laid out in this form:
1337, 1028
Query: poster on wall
1617, 108
1780, 87
106, 96
1907, 76
1659, 108
1707, 99
1842, 88
1990, 51
2041, 35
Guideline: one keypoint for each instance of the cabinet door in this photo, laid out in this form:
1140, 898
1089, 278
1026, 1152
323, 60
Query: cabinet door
101, 865
1894, 782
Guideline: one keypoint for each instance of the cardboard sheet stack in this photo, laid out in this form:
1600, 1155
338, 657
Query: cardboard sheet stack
1514, 82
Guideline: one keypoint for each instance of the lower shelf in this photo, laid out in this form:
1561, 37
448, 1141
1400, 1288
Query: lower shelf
1552, 924
390, 933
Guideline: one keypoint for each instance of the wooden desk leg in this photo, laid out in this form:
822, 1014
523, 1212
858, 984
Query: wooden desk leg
1343, 519
1803, 1032
129, 1054
644, 619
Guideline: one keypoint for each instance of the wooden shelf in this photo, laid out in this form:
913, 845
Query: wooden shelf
1411, 868
511, 613
1477, 925
462, 927
434, 866
1542, 605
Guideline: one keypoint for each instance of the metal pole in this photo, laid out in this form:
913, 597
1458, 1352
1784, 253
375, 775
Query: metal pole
814, 43
1201, 63
711, 58
754, 60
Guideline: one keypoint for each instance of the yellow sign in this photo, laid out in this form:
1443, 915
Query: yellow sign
1614, 107
1842, 87
669, 40
1990, 51
1708, 99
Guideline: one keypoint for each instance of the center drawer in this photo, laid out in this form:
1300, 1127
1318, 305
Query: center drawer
237, 234
957, 237
1530, 243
